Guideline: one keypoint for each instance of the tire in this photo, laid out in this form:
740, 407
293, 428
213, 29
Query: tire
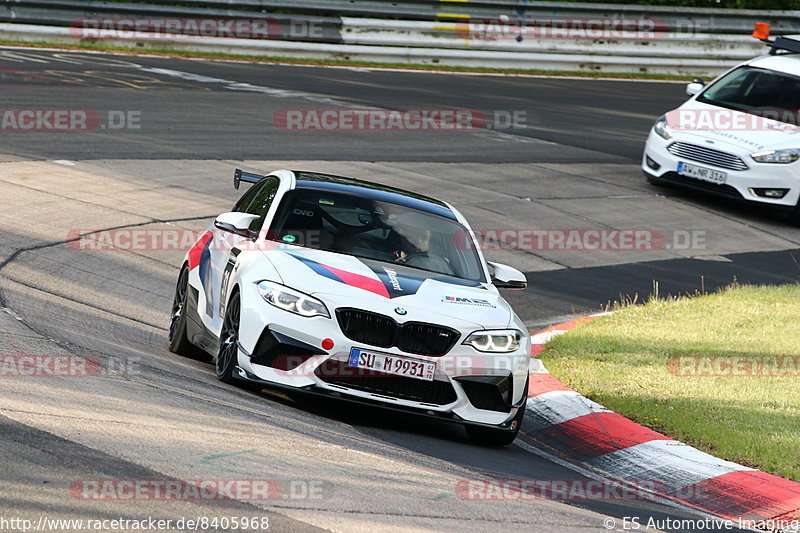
227, 358
498, 437
794, 216
178, 342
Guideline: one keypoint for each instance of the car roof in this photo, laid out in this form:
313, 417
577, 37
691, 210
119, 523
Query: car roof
371, 191
788, 63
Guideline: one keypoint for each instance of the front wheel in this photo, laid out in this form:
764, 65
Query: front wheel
228, 356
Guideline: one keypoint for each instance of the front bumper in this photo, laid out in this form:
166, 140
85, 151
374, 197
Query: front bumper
462, 390
661, 165
443, 416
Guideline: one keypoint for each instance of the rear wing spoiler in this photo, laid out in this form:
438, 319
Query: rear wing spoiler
248, 177
788, 44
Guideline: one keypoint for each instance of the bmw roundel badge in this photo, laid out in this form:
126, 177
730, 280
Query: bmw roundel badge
400, 311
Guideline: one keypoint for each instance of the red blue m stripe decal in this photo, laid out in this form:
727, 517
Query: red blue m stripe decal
342, 276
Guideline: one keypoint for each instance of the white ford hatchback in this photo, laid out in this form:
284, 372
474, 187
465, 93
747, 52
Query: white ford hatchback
739, 135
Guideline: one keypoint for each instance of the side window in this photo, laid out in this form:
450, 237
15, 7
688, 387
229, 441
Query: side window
247, 198
261, 201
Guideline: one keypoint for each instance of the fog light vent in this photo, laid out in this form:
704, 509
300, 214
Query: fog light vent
769, 193
651, 163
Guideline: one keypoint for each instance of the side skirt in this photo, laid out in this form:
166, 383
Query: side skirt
196, 331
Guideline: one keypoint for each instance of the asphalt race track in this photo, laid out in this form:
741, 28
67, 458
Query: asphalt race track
168, 135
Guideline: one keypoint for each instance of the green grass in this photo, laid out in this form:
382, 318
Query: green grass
102, 47
620, 361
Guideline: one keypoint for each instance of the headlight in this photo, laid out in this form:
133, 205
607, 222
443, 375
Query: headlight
662, 128
496, 341
291, 300
783, 157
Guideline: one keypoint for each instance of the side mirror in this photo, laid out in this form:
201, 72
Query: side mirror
506, 277
237, 223
695, 86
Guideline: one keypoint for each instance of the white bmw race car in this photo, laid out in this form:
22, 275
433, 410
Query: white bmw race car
355, 290
737, 136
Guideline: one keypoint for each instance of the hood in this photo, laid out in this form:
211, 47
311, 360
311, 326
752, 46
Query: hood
730, 130
382, 287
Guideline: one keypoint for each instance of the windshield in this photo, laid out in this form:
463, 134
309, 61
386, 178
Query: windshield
757, 91
376, 230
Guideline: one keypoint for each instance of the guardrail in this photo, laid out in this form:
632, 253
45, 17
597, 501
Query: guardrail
637, 42
723, 20
714, 19
484, 33
72, 12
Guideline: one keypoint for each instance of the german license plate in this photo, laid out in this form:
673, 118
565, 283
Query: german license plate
398, 365
702, 173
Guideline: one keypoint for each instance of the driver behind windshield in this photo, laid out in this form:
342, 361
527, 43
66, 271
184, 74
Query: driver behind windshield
412, 243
